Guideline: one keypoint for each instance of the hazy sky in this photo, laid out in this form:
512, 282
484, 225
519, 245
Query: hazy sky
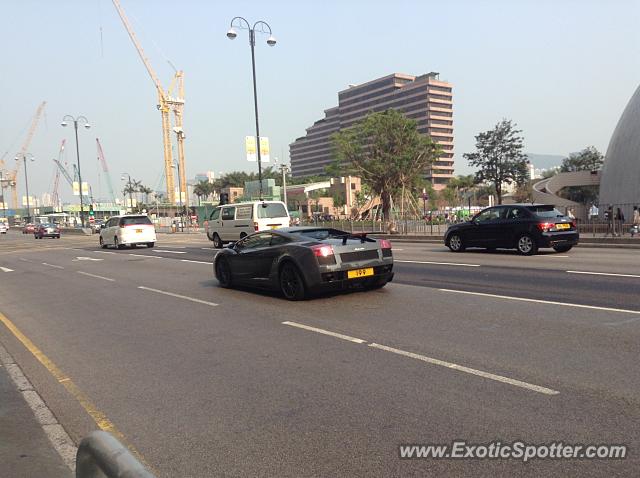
562, 70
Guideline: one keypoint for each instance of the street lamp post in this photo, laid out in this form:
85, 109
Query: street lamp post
284, 169
130, 188
24, 157
2, 186
85, 121
180, 203
271, 41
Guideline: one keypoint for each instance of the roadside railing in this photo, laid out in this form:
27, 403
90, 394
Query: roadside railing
101, 455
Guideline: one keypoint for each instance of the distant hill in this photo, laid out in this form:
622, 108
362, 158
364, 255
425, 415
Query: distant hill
545, 161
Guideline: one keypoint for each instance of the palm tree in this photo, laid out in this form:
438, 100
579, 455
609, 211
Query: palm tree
202, 188
146, 191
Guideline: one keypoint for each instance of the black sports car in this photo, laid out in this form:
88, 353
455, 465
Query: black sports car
525, 227
300, 261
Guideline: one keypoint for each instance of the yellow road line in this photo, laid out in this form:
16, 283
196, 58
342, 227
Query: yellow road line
100, 418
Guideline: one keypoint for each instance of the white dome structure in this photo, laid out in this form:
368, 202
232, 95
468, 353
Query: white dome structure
620, 179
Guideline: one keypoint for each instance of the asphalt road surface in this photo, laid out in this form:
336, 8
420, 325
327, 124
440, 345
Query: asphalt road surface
203, 381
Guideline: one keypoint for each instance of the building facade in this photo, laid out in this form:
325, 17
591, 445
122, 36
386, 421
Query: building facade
425, 98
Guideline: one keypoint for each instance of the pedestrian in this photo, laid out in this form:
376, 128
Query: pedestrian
635, 229
608, 216
570, 214
620, 221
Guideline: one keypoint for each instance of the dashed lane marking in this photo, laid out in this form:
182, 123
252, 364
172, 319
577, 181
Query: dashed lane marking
5, 269
611, 274
169, 252
325, 332
52, 265
440, 263
196, 262
96, 276
171, 294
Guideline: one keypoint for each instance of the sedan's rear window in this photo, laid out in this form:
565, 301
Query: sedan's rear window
545, 211
134, 221
271, 210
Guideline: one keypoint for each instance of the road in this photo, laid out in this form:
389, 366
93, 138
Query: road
204, 381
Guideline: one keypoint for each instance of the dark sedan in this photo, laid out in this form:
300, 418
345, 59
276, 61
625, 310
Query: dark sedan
46, 230
300, 261
525, 227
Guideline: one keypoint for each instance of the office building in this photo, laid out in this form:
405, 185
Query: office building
425, 98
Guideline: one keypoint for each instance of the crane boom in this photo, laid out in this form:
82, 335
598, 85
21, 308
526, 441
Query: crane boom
163, 104
55, 197
13, 175
105, 168
64, 172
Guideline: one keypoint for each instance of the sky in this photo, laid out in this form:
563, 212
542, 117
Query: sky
562, 70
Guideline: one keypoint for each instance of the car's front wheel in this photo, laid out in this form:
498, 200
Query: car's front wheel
291, 283
217, 242
455, 243
562, 248
102, 244
223, 273
526, 245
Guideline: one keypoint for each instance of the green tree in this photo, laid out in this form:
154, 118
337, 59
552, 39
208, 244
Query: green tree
499, 156
386, 150
589, 159
202, 188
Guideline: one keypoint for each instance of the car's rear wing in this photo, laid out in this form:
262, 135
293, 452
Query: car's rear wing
356, 235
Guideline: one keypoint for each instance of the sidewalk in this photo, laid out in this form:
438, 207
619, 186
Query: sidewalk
25, 450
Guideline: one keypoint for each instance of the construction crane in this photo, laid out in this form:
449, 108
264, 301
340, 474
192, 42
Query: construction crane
12, 175
55, 197
64, 172
105, 168
166, 104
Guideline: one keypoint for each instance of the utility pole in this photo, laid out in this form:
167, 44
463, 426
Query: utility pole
284, 169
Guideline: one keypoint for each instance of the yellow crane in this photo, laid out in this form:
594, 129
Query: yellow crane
166, 104
12, 175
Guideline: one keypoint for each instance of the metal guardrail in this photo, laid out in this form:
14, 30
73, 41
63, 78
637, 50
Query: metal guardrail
100, 455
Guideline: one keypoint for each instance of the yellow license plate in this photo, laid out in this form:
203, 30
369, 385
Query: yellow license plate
562, 226
357, 273
138, 231
274, 227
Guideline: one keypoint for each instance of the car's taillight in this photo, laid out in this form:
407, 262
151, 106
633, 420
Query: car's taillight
546, 226
574, 224
256, 227
384, 244
322, 251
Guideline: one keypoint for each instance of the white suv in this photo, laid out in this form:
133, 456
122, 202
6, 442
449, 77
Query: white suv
130, 230
4, 227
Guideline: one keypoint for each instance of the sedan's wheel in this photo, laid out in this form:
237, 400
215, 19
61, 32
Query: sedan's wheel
117, 244
150, 244
223, 273
102, 244
291, 283
562, 248
455, 243
527, 245
217, 242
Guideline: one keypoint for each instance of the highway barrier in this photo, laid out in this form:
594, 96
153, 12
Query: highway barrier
101, 455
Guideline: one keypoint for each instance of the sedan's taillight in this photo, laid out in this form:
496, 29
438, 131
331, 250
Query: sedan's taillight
256, 227
384, 244
546, 226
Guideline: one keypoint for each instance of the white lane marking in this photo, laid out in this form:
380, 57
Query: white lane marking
26, 260
104, 252
145, 255
52, 265
196, 262
325, 332
96, 276
206, 248
174, 247
6, 269
547, 255
395, 249
171, 294
472, 371
170, 252
539, 301
84, 258
604, 274
440, 263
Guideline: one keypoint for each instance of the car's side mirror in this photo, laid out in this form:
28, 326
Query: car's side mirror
231, 245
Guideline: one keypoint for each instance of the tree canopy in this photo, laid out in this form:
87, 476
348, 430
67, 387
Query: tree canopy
499, 157
386, 150
589, 159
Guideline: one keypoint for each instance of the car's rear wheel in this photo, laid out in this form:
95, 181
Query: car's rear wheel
102, 244
562, 248
150, 244
243, 235
455, 243
223, 273
117, 244
291, 283
217, 242
526, 245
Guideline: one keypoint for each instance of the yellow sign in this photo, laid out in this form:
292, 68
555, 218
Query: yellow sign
250, 147
76, 188
264, 149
